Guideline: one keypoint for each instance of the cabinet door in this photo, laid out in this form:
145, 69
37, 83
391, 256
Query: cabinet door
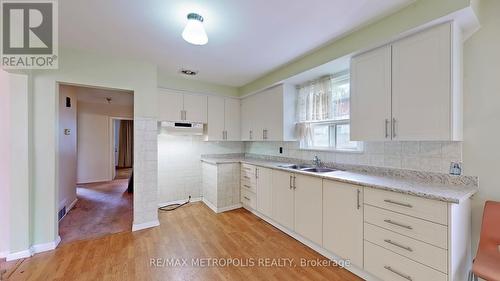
215, 125
270, 117
169, 106
250, 114
371, 95
195, 107
343, 220
421, 77
283, 199
245, 120
308, 207
264, 191
232, 119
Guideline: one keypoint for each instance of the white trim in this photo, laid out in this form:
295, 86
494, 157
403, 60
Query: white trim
71, 206
196, 199
223, 209
39, 248
201, 93
141, 226
209, 204
18, 255
317, 248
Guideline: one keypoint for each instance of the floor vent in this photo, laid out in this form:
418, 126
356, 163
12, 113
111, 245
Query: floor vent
61, 213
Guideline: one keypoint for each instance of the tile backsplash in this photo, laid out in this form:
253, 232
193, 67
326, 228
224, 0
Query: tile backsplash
179, 166
429, 156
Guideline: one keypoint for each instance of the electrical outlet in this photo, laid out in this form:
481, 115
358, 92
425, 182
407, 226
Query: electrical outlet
281, 150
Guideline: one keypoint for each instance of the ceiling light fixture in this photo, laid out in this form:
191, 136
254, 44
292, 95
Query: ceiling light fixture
194, 32
189, 72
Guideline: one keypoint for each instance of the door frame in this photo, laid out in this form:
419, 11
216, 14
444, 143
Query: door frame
112, 173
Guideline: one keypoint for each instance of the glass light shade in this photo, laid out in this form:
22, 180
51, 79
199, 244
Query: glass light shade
194, 32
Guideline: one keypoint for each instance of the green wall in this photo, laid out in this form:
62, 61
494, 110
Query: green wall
418, 13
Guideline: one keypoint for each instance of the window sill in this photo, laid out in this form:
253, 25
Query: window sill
332, 150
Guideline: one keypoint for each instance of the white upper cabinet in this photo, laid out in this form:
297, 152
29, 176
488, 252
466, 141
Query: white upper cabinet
371, 95
170, 106
269, 115
412, 95
422, 91
195, 108
175, 106
215, 126
223, 119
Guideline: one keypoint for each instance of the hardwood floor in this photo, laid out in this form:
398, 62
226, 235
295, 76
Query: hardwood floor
190, 232
101, 209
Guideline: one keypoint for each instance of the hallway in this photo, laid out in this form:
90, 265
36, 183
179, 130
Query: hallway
102, 208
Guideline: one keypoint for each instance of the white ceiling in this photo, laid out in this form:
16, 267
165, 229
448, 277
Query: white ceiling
247, 39
97, 95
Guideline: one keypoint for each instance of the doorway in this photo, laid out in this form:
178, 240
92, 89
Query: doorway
95, 197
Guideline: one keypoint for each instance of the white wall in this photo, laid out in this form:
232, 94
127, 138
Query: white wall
429, 156
179, 166
482, 109
67, 147
95, 145
4, 162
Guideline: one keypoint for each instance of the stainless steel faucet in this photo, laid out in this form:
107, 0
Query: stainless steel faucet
316, 161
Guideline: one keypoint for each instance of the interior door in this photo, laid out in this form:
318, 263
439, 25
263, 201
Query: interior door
370, 107
283, 199
421, 97
169, 105
215, 126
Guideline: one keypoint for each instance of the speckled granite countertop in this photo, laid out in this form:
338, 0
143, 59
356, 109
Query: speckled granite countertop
437, 191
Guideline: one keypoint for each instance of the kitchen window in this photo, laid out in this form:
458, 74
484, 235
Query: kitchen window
323, 114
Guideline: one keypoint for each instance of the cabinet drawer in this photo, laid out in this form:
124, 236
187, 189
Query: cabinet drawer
247, 168
427, 209
248, 199
249, 185
246, 177
422, 230
390, 266
421, 252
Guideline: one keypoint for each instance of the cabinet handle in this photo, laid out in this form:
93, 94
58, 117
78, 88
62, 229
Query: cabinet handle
398, 224
393, 127
358, 201
247, 186
290, 184
246, 177
247, 169
398, 203
264, 134
256, 173
398, 245
294, 181
246, 198
386, 128
407, 277
250, 133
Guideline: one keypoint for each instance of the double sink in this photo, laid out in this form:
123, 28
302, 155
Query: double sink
307, 168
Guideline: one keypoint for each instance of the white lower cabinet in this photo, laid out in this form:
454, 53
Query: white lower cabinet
283, 198
308, 207
343, 220
264, 191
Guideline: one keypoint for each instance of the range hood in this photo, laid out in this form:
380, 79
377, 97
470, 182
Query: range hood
182, 128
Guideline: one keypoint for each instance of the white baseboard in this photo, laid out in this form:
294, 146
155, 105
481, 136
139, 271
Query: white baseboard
140, 226
71, 205
220, 210
18, 255
317, 248
39, 248
196, 199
